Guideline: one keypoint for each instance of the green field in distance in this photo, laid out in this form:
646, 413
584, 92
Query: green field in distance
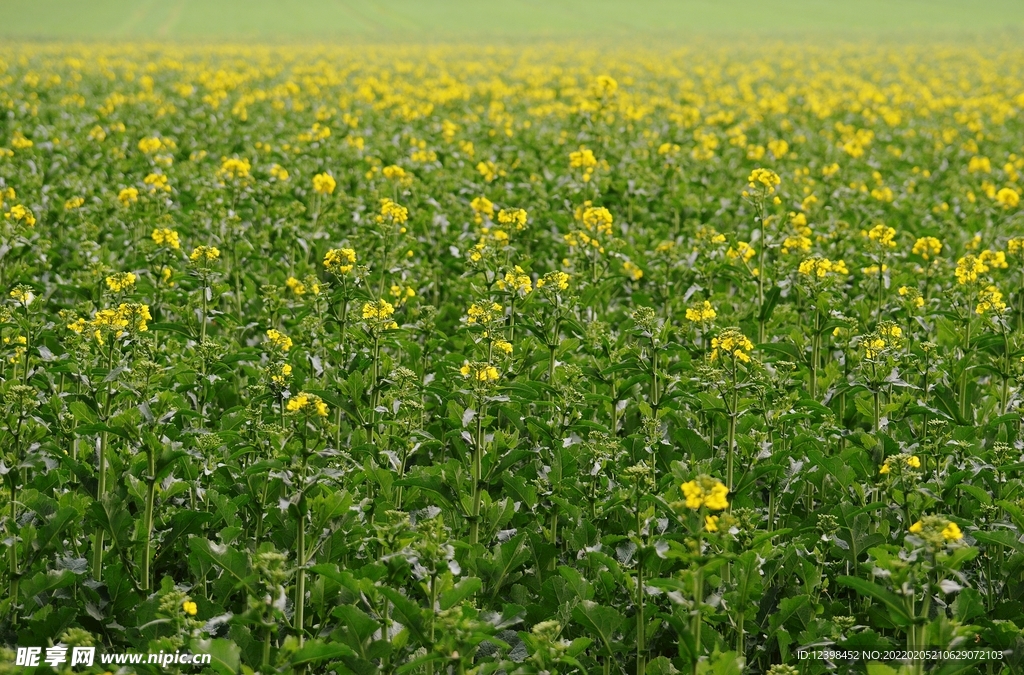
506, 20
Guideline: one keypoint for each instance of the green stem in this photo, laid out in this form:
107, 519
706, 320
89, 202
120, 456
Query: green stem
150, 500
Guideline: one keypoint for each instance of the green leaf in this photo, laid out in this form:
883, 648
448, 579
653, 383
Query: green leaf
897, 612
224, 654
462, 590
315, 650
599, 620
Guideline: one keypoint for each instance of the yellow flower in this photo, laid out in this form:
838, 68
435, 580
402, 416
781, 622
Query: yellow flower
488, 170
926, 247
393, 172
914, 462
765, 179
516, 281
279, 340
122, 281
482, 207
598, 219
632, 271
503, 346
204, 254
324, 184
968, 268
149, 145
705, 491
917, 527
166, 237
393, 212
128, 196
74, 203
952, 532
22, 294
582, 159
515, 217
296, 286
885, 468
702, 312
732, 342
233, 169
481, 373
883, 235
189, 607
1008, 198
340, 260
742, 250
558, 280
378, 310
990, 299
303, 400
711, 523
281, 375
297, 402
278, 172
157, 182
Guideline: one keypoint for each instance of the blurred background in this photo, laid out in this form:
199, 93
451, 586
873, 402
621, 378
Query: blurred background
490, 20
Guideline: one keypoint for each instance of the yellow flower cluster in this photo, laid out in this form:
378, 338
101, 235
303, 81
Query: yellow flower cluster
733, 342
516, 217
379, 313
340, 260
278, 340
279, 374
558, 280
480, 372
763, 179
392, 212
927, 247
911, 294
201, 254
233, 169
304, 401
278, 172
583, 159
128, 196
156, 182
324, 184
968, 268
516, 281
888, 336
702, 312
912, 461
120, 322
393, 172
120, 282
990, 299
166, 237
632, 270
706, 491
22, 295
483, 313
821, 268
883, 235
937, 530
598, 219
1008, 198
21, 215
742, 250
74, 203
482, 208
